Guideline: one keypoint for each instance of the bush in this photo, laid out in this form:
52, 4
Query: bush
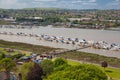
2, 55
17, 56
47, 66
62, 67
59, 62
35, 73
104, 64
82, 72
25, 69
7, 65
31, 71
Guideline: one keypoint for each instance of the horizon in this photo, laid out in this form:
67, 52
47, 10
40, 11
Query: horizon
40, 8
61, 4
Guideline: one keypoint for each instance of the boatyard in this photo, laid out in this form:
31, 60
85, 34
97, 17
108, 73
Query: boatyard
97, 47
68, 40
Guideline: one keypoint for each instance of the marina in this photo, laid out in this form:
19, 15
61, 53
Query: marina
39, 36
68, 40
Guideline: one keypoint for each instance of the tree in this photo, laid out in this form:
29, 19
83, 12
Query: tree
104, 64
19, 76
81, 72
59, 62
7, 64
25, 69
17, 56
75, 22
47, 66
31, 71
2, 55
36, 73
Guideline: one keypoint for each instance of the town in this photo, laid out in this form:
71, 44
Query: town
86, 19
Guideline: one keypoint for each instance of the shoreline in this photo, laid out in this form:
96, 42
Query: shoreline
29, 27
34, 41
113, 29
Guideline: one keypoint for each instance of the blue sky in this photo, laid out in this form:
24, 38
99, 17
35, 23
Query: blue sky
70, 4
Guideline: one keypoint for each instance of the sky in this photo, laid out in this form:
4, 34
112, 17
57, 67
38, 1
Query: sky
67, 4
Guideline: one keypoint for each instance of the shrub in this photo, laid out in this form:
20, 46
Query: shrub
82, 72
17, 56
31, 71
47, 66
62, 67
35, 73
59, 62
8, 65
25, 69
2, 55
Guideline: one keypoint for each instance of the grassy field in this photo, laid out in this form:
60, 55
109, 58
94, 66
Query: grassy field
2, 50
73, 63
25, 47
92, 58
11, 53
114, 73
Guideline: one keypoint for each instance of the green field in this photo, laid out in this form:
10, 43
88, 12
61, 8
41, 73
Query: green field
114, 73
15, 52
73, 63
25, 47
91, 58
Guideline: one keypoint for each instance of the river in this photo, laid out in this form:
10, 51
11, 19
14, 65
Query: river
88, 34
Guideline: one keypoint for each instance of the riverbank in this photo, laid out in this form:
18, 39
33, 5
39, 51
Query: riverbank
27, 47
86, 57
89, 35
34, 41
76, 55
113, 29
52, 26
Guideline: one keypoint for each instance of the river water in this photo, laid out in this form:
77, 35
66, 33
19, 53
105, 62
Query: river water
88, 34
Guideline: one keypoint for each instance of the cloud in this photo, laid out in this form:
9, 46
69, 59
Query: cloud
8, 4
43, 0
114, 3
92, 1
90, 4
72, 4
117, 0
85, 2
